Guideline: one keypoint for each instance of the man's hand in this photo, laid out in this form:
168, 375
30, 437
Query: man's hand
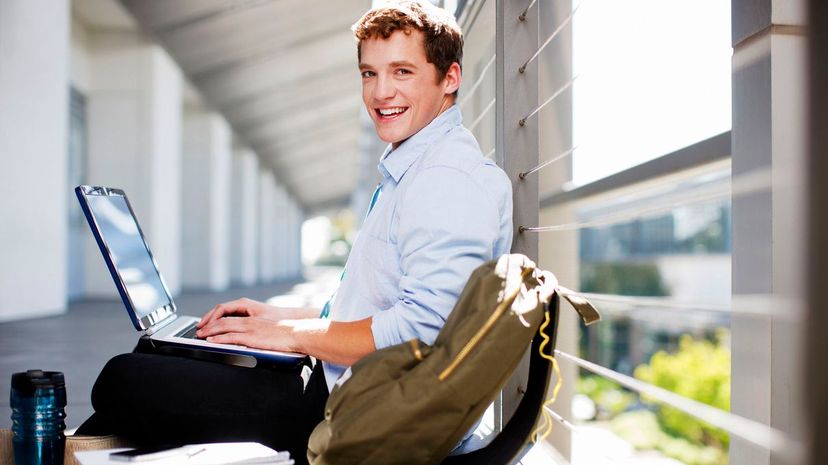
259, 333
257, 325
252, 308
240, 307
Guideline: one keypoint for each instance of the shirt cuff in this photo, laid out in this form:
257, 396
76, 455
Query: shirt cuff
385, 328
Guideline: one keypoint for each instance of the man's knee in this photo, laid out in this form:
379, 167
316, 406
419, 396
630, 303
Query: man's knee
117, 381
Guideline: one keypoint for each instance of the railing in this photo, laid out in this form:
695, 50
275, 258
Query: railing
713, 152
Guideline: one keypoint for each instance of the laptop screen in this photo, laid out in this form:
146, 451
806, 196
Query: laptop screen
129, 253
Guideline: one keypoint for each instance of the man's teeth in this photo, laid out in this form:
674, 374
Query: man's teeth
390, 111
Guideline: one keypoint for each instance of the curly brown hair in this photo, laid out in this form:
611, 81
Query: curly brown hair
443, 37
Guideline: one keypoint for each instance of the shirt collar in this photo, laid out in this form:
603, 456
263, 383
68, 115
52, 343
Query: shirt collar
396, 162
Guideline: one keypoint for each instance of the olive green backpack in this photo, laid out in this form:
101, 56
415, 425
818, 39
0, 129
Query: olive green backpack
412, 403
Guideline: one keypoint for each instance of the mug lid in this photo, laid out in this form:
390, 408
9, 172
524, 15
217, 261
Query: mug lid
29, 381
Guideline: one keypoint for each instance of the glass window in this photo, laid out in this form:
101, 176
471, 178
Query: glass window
652, 76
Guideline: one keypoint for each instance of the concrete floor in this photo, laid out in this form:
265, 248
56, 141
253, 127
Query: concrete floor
80, 342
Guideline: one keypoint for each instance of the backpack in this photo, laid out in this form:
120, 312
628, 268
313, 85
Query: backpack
413, 403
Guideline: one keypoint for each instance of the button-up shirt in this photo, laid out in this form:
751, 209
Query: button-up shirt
444, 210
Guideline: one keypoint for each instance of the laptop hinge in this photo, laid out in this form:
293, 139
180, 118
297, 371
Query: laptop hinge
160, 325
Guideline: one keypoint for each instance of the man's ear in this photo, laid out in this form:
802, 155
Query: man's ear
452, 79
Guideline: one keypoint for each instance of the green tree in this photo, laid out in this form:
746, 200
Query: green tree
699, 370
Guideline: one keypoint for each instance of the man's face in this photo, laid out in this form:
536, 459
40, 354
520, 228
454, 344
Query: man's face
400, 88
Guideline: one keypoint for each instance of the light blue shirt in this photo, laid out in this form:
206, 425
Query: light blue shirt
443, 211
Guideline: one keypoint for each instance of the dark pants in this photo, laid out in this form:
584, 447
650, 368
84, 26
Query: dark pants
160, 399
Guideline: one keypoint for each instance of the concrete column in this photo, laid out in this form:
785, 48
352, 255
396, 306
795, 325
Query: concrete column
34, 54
816, 351
296, 241
134, 110
279, 202
769, 121
284, 239
558, 250
244, 231
267, 217
517, 148
290, 239
207, 170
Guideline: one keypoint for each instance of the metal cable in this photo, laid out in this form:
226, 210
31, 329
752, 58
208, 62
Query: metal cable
749, 430
479, 81
547, 163
522, 121
482, 115
751, 182
745, 304
563, 421
656, 302
551, 37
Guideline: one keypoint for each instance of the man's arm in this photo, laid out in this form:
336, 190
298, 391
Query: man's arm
448, 226
335, 342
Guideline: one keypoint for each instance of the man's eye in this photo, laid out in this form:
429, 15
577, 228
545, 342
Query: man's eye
367, 74
403, 71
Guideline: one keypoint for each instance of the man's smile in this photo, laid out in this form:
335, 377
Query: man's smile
390, 113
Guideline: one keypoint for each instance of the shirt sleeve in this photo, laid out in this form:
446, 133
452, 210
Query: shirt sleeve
448, 226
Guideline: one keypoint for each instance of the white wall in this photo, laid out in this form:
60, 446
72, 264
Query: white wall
134, 117
696, 278
206, 200
34, 55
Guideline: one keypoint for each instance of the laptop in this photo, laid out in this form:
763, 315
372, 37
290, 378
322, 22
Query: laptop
145, 294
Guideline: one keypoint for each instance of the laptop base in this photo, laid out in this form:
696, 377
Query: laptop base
147, 345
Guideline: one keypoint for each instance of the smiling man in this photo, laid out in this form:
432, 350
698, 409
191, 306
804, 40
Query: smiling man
440, 211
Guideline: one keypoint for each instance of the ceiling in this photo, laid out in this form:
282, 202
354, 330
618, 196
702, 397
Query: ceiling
283, 73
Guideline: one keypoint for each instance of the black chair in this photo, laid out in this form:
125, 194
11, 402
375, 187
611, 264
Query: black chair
514, 441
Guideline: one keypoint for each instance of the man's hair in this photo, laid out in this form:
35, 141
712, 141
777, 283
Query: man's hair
442, 36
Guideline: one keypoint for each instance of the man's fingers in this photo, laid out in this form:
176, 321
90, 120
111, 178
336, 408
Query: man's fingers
225, 325
234, 307
206, 318
228, 338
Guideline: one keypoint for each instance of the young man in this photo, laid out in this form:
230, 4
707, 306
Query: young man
441, 210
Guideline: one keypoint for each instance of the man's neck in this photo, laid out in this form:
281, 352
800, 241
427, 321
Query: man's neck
448, 101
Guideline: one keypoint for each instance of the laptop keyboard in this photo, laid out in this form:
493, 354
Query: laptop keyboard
189, 332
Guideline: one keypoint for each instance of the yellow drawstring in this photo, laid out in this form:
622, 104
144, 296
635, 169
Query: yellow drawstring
546, 420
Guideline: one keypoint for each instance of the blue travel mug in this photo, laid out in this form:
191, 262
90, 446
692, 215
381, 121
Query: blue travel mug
38, 399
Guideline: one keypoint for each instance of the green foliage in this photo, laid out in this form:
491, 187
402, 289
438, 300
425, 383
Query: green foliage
622, 278
609, 398
699, 370
641, 429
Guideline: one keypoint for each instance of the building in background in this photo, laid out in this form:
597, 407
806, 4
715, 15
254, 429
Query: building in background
144, 96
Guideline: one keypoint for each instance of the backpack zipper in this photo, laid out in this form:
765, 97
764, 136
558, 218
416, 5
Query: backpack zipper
499, 310
415, 348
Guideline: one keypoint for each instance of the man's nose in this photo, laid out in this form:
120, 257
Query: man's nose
384, 88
